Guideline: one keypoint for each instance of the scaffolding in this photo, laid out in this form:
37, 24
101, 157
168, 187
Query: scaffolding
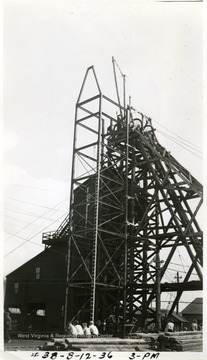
132, 206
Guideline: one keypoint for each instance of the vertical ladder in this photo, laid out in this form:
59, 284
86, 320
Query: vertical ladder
94, 252
95, 230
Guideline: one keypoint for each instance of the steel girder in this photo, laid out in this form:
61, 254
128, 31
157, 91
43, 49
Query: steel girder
133, 211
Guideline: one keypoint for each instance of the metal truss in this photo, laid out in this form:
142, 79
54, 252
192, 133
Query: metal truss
133, 211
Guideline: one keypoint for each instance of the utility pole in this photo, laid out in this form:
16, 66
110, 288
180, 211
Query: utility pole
158, 274
126, 223
158, 294
177, 278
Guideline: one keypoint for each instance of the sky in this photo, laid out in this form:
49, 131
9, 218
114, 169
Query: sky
48, 45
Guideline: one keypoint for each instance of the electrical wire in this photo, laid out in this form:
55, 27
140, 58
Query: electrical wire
28, 240
184, 302
179, 141
23, 220
176, 263
28, 213
38, 219
10, 223
30, 203
43, 246
192, 146
177, 135
22, 238
27, 227
38, 188
186, 141
176, 142
169, 277
181, 260
183, 272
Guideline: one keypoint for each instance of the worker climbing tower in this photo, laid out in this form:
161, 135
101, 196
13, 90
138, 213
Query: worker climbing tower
133, 209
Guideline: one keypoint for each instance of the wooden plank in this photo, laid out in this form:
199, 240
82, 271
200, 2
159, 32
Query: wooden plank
182, 333
105, 341
188, 342
181, 338
101, 347
189, 347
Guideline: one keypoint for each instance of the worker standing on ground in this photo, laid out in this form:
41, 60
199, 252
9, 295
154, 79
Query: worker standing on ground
7, 327
93, 329
170, 326
194, 325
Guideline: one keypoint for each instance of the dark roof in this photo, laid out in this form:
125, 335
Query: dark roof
194, 308
179, 318
27, 262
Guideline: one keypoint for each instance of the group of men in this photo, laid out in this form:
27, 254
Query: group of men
76, 330
171, 326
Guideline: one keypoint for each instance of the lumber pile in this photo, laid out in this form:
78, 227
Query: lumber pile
181, 341
95, 344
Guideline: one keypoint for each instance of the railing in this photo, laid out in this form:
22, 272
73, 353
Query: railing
62, 231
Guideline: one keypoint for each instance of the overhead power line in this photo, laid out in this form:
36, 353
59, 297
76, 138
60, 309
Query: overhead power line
38, 188
178, 143
28, 213
172, 132
39, 217
181, 142
28, 240
42, 246
30, 203
24, 220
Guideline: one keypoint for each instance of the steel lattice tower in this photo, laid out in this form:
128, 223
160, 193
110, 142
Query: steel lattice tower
132, 208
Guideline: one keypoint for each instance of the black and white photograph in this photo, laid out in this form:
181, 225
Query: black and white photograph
103, 176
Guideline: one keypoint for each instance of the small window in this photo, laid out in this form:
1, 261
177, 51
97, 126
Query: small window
40, 312
13, 310
16, 288
37, 273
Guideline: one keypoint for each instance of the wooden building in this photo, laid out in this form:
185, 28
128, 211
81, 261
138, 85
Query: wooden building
35, 291
194, 311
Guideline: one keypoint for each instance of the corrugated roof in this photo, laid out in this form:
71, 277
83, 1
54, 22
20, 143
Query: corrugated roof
195, 307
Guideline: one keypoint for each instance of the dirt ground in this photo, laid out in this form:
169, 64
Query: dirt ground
23, 345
